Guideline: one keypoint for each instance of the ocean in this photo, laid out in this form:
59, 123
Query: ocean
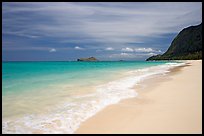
56, 97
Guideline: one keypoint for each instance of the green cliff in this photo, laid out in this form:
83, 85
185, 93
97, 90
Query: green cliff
186, 45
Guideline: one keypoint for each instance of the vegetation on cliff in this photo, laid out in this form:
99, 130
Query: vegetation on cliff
186, 45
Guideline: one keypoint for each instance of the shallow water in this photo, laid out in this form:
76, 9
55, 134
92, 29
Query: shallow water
55, 97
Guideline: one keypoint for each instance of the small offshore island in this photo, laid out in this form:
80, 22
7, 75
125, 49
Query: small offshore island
88, 59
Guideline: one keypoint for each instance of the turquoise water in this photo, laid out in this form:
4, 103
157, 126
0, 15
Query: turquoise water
36, 95
26, 76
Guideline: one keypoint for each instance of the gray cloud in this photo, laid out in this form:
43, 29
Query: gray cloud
105, 22
111, 25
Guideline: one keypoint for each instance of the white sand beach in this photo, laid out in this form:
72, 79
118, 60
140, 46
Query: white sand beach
168, 104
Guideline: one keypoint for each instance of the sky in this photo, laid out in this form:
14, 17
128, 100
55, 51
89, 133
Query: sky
105, 30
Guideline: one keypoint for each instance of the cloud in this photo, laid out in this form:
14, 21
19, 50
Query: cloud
78, 48
121, 55
52, 50
151, 54
144, 50
109, 49
139, 49
125, 55
97, 26
127, 49
99, 22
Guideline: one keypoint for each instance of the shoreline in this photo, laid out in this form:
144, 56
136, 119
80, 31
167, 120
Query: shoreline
178, 109
84, 104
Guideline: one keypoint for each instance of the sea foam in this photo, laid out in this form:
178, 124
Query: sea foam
67, 117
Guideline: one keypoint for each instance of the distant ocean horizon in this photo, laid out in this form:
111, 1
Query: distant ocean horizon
56, 96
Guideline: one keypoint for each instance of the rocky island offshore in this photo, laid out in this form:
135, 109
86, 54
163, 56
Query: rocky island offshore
87, 59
